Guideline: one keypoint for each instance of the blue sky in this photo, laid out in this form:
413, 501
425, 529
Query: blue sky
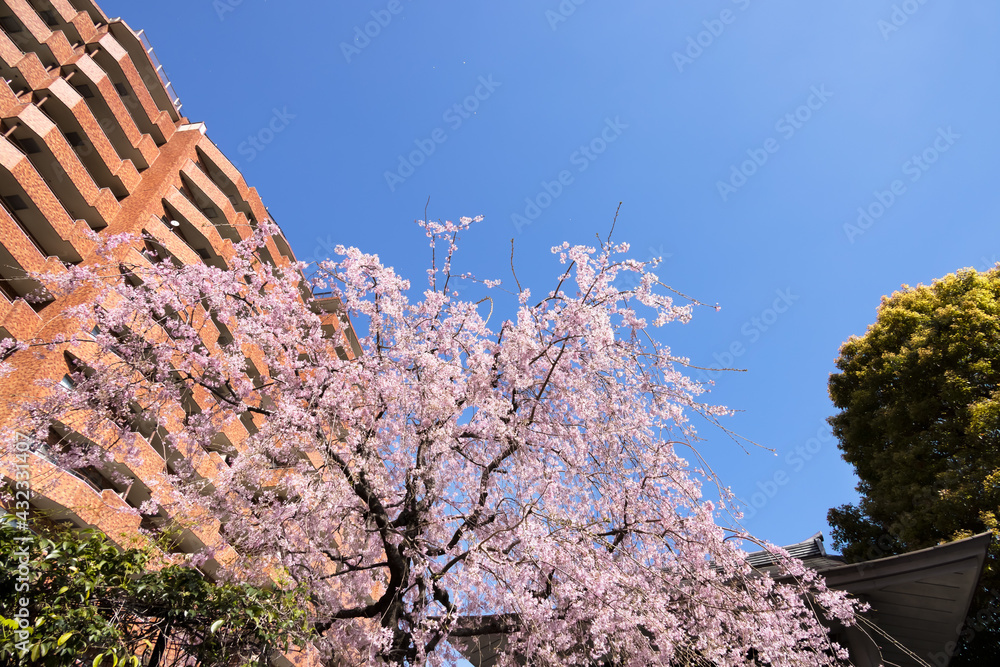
742, 137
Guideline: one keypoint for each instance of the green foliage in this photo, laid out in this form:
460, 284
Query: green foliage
89, 600
919, 400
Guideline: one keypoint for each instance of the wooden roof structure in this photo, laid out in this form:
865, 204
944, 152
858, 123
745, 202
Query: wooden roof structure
919, 601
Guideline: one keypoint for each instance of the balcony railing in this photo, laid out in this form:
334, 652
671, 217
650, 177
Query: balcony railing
43, 451
158, 66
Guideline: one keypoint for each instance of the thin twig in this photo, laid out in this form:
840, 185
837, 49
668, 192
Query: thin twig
519, 289
433, 253
612, 230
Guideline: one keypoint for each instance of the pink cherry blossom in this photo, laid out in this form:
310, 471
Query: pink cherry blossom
467, 474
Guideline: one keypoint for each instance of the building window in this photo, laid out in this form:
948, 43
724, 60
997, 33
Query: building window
27, 145
10, 24
50, 18
7, 290
15, 203
94, 479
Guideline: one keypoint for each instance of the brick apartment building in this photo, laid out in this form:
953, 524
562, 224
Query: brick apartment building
92, 138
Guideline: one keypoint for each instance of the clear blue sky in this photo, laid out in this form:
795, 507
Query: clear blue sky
868, 88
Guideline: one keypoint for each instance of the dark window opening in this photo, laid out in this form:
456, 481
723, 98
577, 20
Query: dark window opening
8, 291
94, 478
10, 24
28, 146
15, 202
50, 17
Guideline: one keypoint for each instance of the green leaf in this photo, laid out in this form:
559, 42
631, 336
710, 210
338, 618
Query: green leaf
64, 638
63, 589
98, 659
216, 625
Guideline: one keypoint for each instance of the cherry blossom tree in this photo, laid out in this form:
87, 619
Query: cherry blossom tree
466, 476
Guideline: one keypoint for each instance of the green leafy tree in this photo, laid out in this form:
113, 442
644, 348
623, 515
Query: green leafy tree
89, 602
919, 400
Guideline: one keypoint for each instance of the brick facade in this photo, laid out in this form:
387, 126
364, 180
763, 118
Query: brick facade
92, 139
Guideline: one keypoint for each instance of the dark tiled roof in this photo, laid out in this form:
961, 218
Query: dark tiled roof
811, 552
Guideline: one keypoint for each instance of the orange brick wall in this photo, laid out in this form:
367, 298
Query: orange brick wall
83, 156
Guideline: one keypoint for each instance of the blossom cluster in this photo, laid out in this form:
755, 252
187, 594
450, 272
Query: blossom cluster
460, 478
